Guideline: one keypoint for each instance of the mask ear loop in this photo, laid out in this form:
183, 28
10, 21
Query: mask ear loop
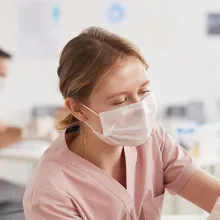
90, 110
82, 141
93, 113
83, 136
88, 126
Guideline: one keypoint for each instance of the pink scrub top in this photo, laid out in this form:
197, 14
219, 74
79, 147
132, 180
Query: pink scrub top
68, 187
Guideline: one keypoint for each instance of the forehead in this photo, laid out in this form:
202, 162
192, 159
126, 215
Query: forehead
128, 74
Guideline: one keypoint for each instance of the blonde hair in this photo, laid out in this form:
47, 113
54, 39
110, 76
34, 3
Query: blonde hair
86, 60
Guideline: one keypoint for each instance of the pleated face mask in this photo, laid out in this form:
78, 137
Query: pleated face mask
127, 126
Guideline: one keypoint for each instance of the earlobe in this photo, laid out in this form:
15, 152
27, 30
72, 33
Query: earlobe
74, 107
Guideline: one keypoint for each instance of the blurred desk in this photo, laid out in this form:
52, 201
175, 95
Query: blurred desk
208, 160
28, 150
18, 161
184, 217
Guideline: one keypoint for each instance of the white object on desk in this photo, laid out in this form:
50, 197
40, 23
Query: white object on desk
18, 161
25, 150
184, 217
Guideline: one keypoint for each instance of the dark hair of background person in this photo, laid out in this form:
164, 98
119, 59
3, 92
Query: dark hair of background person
4, 54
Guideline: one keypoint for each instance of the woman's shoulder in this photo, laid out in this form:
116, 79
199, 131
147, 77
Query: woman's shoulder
163, 138
158, 137
52, 168
159, 142
159, 133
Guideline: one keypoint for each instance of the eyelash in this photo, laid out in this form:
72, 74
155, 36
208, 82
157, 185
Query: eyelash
142, 93
120, 103
145, 91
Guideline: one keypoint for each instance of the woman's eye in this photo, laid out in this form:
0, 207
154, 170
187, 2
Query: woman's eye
121, 102
144, 92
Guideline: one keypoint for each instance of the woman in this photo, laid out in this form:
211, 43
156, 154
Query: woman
111, 162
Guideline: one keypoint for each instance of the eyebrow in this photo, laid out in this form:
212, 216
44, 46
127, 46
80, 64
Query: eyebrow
123, 93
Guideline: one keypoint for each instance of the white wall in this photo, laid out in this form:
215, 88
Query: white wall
172, 35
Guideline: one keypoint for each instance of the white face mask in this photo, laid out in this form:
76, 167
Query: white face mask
128, 126
2, 82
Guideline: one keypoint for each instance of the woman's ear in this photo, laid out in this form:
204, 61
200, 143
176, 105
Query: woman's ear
75, 108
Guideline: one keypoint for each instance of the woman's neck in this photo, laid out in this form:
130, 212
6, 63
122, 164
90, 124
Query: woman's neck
102, 155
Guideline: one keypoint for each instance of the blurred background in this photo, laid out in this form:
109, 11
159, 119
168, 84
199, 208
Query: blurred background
179, 39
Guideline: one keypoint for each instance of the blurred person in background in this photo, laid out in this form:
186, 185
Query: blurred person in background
111, 161
10, 194
8, 134
4, 67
